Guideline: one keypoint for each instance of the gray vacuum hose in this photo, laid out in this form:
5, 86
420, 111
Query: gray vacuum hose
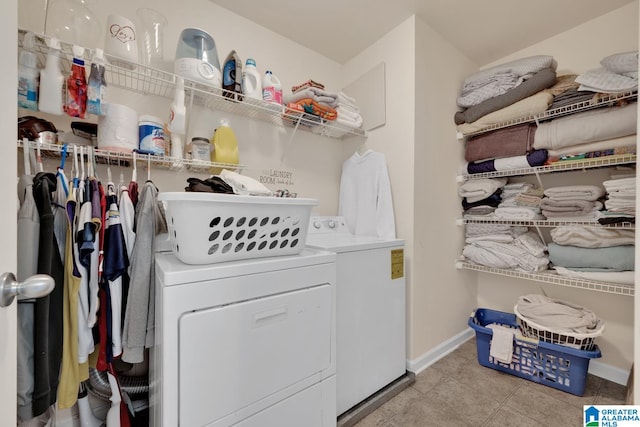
99, 384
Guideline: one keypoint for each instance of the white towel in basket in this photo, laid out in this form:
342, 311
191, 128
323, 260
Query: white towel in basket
244, 185
501, 343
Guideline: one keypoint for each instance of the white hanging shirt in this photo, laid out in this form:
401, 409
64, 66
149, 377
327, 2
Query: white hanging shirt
365, 196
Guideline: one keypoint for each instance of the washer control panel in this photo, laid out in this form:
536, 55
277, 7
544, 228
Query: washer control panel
327, 224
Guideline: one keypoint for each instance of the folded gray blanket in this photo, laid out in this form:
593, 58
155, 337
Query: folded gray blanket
557, 315
614, 258
539, 81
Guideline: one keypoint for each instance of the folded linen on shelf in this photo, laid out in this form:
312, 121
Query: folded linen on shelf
507, 142
614, 258
309, 106
554, 209
517, 213
592, 237
628, 142
589, 126
528, 107
557, 315
575, 192
537, 82
504, 255
493, 200
480, 229
501, 347
620, 277
494, 81
479, 189
309, 83
535, 158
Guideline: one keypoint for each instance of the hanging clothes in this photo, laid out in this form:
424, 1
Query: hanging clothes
71, 374
48, 316
365, 196
138, 330
114, 267
28, 236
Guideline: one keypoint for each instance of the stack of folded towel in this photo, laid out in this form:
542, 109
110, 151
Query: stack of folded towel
619, 73
595, 253
621, 196
348, 117
314, 101
514, 248
520, 201
572, 202
481, 196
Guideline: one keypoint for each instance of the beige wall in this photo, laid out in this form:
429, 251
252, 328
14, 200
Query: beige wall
441, 296
396, 138
578, 50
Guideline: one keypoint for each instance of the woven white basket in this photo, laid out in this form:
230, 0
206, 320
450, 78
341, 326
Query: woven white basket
207, 228
580, 341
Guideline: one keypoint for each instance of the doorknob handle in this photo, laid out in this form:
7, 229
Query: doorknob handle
35, 286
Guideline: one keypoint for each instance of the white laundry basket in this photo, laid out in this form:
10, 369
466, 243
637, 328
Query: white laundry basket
206, 228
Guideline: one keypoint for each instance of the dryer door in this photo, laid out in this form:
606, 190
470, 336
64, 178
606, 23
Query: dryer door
237, 359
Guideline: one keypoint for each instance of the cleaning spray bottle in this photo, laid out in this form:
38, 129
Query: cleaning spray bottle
28, 74
76, 105
177, 120
97, 85
225, 146
51, 97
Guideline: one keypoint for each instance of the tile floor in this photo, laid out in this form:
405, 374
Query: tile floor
456, 391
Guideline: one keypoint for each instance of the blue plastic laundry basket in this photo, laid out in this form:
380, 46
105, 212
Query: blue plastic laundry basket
557, 366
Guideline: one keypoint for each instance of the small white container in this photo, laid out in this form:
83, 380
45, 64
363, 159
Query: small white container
151, 135
200, 149
251, 82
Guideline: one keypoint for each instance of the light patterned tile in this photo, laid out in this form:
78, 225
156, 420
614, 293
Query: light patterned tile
611, 393
468, 404
537, 404
427, 379
507, 417
496, 385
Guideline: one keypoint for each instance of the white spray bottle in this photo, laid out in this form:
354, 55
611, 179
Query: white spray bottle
177, 120
52, 82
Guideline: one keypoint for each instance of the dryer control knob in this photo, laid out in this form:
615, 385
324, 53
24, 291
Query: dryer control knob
332, 224
317, 224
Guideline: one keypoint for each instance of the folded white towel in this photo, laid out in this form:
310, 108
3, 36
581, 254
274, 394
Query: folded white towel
244, 185
478, 189
501, 348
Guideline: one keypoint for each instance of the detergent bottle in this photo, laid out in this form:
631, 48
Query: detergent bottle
271, 88
251, 82
225, 146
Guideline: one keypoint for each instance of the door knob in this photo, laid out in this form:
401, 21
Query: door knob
35, 286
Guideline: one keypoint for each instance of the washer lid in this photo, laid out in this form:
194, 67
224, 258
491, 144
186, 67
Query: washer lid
349, 242
174, 272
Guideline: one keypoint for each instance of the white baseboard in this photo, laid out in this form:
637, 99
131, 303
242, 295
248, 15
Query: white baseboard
432, 356
608, 372
599, 369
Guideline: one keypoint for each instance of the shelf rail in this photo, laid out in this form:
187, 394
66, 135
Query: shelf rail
553, 278
151, 81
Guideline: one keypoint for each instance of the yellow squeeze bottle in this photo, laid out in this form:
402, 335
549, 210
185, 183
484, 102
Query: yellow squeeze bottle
225, 146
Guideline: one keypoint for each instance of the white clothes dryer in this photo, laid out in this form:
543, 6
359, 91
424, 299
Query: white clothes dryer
370, 309
245, 343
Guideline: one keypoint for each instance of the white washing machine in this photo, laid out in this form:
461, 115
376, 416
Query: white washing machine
245, 343
370, 309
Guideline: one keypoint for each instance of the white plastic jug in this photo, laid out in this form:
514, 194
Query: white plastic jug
271, 88
251, 83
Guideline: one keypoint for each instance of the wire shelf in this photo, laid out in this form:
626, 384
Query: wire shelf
113, 158
605, 100
563, 166
553, 278
151, 81
544, 223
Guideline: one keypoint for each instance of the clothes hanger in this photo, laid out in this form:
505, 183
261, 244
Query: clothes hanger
75, 166
60, 173
148, 167
82, 174
25, 157
134, 173
39, 157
